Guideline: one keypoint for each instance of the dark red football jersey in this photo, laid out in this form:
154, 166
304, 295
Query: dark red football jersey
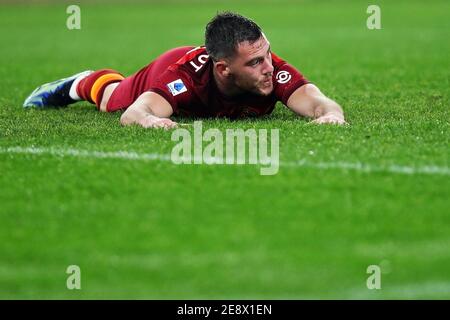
183, 76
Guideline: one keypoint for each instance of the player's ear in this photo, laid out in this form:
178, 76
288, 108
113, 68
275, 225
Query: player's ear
222, 68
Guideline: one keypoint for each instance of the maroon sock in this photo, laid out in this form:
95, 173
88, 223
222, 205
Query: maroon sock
105, 77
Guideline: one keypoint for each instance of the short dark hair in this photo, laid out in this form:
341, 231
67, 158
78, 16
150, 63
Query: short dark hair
225, 31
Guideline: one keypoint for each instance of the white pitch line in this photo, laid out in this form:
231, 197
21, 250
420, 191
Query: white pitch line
362, 167
130, 155
127, 155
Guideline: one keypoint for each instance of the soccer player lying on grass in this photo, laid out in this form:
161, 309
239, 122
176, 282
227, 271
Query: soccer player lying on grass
234, 75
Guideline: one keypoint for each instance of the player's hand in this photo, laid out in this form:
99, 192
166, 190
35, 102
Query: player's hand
330, 118
152, 121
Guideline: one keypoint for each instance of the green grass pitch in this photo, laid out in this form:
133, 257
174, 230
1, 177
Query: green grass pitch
372, 193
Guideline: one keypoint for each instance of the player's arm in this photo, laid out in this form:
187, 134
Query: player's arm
150, 110
309, 101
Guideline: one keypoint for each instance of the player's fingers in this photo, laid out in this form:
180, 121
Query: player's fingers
169, 124
317, 121
147, 122
165, 124
334, 121
329, 120
154, 122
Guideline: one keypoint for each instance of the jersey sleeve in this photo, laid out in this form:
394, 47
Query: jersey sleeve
287, 79
175, 87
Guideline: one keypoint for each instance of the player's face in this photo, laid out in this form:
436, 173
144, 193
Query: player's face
251, 68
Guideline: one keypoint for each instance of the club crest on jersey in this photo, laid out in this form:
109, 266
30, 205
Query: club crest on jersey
176, 87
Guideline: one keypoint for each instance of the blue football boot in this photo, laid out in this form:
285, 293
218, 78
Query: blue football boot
53, 94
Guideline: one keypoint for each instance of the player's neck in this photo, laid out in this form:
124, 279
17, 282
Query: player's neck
226, 85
